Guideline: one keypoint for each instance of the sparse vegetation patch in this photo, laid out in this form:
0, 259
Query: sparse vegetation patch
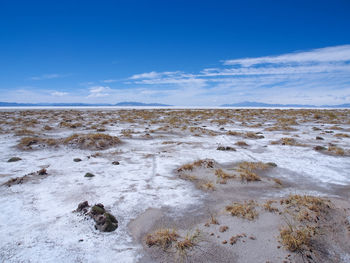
244, 210
95, 141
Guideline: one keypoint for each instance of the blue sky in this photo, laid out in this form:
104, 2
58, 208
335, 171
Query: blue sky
201, 53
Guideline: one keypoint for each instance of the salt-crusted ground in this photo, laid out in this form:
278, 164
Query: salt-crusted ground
37, 222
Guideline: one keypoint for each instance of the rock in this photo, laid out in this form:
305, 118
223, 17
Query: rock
319, 138
14, 159
17, 180
272, 164
100, 205
227, 148
77, 160
42, 172
106, 223
115, 163
89, 175
97, 209
320, 148
82, 206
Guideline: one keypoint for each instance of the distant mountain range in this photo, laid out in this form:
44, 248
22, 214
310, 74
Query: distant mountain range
267, 105
121, 104
140, 104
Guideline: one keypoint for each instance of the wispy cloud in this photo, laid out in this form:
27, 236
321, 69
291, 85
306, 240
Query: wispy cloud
99, 91
322, 55
315, 76
49, 76
59, 93
109, 80
318, 76
156, 75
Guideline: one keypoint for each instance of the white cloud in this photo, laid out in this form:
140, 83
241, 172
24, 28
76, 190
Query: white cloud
321, 55
86, 84
48, 76
109, 80
319, 76
59, 93
154, 75
99, 91
298, 77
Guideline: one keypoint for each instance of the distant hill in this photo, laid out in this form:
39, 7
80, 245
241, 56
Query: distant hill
132, 103
121, 104
140, 104
267, 105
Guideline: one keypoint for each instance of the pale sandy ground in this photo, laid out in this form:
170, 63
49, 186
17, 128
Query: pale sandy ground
261, 235
145, 192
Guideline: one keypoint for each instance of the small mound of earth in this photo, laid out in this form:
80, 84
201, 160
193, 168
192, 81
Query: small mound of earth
23, 179
32, 143
96, 141
104, 221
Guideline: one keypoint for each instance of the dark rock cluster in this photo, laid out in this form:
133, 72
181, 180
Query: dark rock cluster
225, 148
104, 221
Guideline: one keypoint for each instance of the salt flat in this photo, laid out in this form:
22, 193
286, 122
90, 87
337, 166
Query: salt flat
37, 220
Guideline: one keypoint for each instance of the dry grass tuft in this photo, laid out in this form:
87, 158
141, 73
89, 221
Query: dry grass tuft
206, 163
268, 206
277, 181
162, 238
220, 174
342, 135
47, 128
249, 176
188, 177
296, 239
287, 141
213, 220
241, 144
208, 186
94, 141
22, 132
127, 133
253, 135
316, 206
188, 243
234, 133
26, 143
253, 166
244, 210
247, 170
336, 150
